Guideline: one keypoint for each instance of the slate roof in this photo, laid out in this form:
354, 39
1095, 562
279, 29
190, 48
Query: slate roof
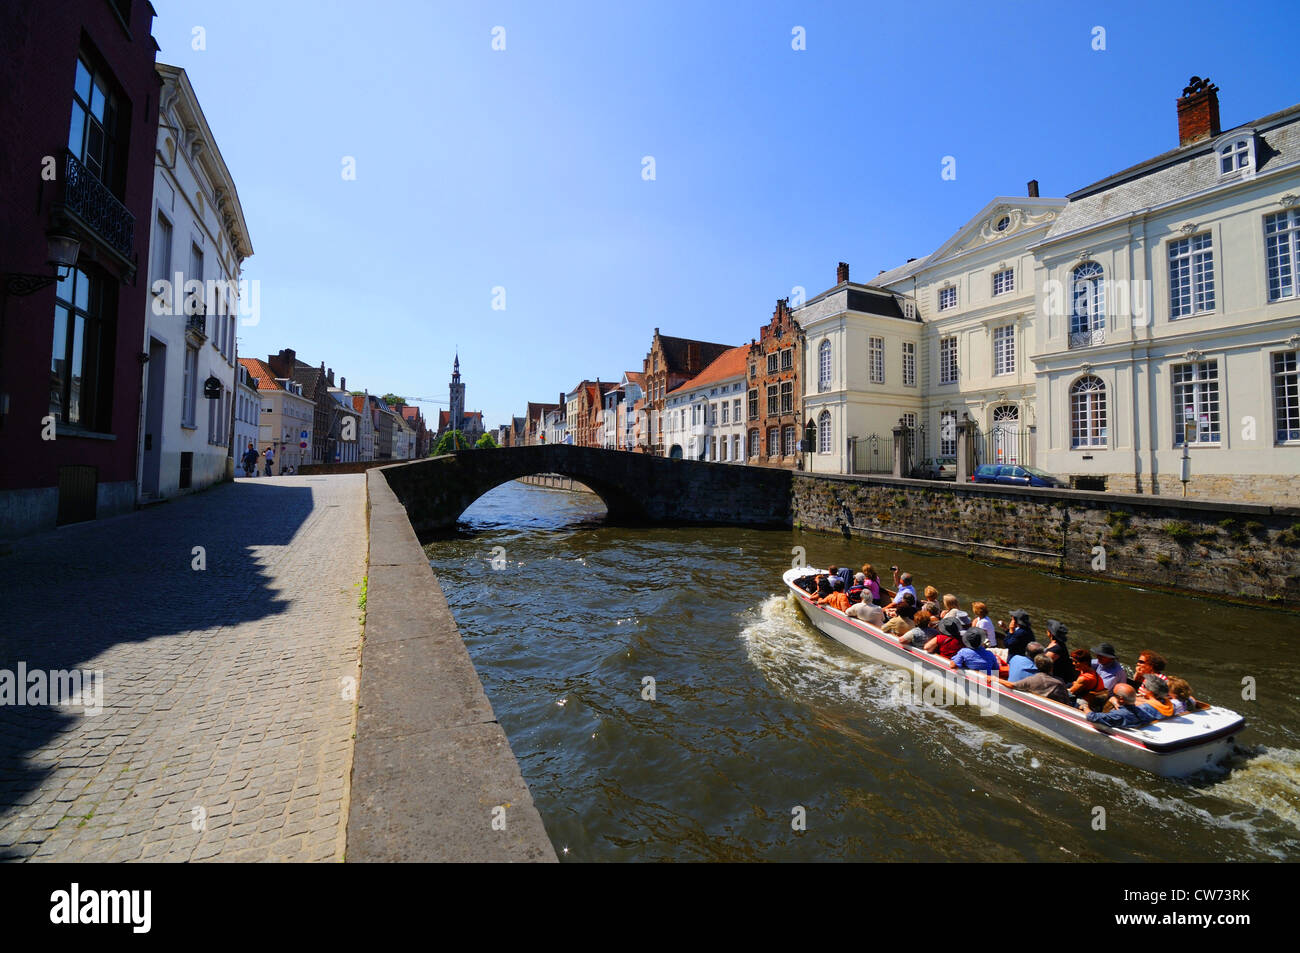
1176, 174
676, 351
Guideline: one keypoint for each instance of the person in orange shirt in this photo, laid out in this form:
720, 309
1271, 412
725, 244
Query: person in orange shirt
837, 599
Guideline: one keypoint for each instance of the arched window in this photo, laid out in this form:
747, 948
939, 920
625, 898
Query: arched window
1088, 413
824, 432
1088, 317
824, 366
1006, 431
1234, 155
790, 445
773, 442
753, 443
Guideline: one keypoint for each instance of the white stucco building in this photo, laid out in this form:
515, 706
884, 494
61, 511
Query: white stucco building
703, 419
198, 234
248, 414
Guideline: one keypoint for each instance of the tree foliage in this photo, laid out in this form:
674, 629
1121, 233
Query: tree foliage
451, 440
393, 399
485, 442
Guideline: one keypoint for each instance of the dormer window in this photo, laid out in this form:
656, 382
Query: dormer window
1236, 154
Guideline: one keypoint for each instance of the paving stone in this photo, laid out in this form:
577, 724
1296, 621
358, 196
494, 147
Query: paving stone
221, 687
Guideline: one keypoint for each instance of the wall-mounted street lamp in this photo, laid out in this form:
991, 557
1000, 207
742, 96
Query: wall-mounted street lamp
62, 255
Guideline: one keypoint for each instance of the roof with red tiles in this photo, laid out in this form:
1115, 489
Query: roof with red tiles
261, 372
730, 363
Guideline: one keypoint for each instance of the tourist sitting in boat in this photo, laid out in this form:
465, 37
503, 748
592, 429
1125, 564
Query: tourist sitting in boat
1126, 713
903, 586
867, 612
823, 585
1042, 682
1180, 693
844, 574
1022, 666
1154, 696
1019, 633
930, 602
807, 583
948, 642
951, 607
1064, 667
1106, 664
982, 621
1088, 689
923, 630
857, 589
973, 655
901, 621
873, 581
837, 599
1150, 663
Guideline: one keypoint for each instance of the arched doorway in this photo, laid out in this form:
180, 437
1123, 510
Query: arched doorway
675, 453
1006, 435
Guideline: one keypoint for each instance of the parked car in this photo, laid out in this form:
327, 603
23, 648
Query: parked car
936, 468
1015, 475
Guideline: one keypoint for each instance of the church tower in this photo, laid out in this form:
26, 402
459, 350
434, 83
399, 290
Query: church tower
456, 418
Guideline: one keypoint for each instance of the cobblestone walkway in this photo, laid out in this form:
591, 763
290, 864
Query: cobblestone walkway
228, 692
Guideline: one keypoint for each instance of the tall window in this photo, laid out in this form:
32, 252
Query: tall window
1088, 316
876, 359
726, 411
1196, 400
909, 421
1004, 281
92, 136
787, 397
773, 442
948, 433
81, 361
824, 366
947, 298
772, 359
1191, 275
1004, 350
947, 360
735, 410
753, 403
787, 359
1286, 396
189, 387
753, 443
773, 399
1282, 249
824, 432
791, 445
1088, 413
909, 364
162, 250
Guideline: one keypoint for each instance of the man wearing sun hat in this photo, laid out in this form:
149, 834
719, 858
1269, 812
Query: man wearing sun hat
1105, 663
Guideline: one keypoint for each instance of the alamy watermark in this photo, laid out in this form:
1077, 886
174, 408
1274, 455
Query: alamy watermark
38, 686
222, 297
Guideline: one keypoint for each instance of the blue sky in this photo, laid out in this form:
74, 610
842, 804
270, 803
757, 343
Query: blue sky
522, 168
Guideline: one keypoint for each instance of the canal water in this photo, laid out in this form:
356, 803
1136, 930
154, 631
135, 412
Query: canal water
760, 725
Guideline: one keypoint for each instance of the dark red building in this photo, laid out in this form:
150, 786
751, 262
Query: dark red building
79, 102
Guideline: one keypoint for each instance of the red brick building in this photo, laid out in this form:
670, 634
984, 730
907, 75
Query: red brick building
79, 97
670, 363
773, 400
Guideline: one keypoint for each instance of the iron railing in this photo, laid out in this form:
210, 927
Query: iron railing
1087, 338
91, 201
871, 454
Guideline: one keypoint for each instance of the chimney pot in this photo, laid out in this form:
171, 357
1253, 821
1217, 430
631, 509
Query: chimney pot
841, 272
1198, 111
1033, 188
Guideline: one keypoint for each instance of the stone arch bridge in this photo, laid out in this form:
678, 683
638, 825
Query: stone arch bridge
635, 487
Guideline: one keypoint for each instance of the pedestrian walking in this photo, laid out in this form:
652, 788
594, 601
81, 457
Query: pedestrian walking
270, 458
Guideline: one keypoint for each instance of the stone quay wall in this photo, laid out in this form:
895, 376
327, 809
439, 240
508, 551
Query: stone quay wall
1239, 551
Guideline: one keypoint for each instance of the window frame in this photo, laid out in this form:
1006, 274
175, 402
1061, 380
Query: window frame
909, 363
1096, 416
1202, 390
1285, 387
1188, 263
825, 371
1282, 242
1004, 350
947, 298
825, 432
948, 370
1008, 276
876, 359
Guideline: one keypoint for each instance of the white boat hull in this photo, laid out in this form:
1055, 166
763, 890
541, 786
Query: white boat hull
1170, 747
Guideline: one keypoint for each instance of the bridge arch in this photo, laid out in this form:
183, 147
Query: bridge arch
635, 487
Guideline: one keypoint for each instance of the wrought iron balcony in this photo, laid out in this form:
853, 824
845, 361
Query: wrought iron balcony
1087, 338
91, 203
196, 325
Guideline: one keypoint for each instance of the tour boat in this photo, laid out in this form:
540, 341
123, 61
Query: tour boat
1170, 747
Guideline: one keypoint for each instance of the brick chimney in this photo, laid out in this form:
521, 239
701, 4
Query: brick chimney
1033, 188
330, 377
841, 272
282, 363
343, 384
1198, 111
